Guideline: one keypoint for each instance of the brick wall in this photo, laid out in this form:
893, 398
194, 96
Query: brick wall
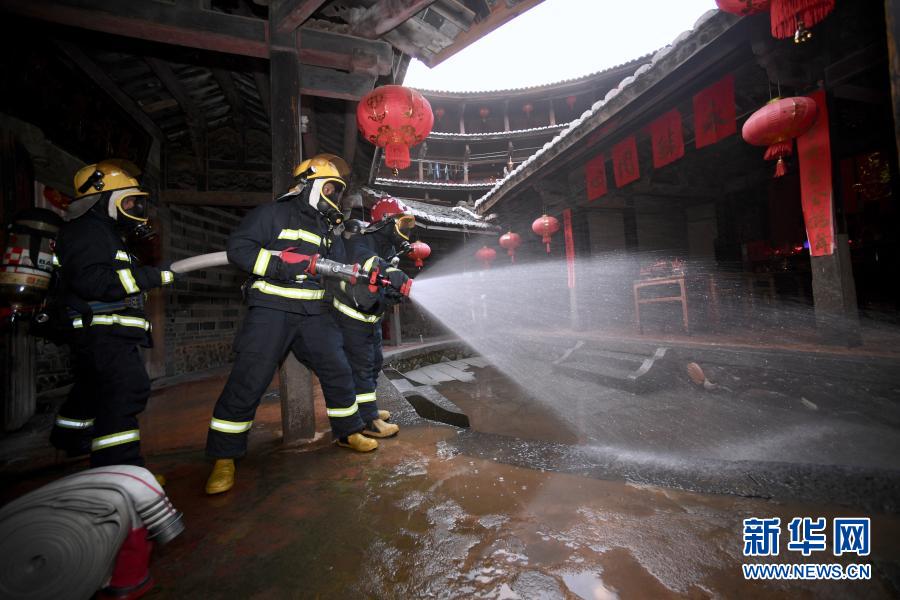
204, 311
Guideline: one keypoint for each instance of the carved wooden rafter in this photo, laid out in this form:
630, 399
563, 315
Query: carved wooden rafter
386, 15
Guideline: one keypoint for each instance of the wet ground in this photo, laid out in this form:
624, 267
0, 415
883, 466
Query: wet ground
439, 512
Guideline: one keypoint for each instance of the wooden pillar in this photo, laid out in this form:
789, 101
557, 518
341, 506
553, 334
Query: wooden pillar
295, 381
350, 132
462, 117
396, 335
552, 114
466, 165
892, 18
506, 115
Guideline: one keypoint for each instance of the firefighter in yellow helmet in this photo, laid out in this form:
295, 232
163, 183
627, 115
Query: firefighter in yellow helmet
286, 314
103, 288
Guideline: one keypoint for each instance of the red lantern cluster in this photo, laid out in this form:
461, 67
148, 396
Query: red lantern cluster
395, 118
486, 255
439, 112
788, 17
484, 112
570, 102
545, 226
777, 124
420, 251
527, 108
510, 241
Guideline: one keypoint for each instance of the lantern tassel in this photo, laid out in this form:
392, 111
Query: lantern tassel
787, 15
780, 168
779, 150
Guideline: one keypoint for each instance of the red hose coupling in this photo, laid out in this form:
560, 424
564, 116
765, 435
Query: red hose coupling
312, 264
406, 287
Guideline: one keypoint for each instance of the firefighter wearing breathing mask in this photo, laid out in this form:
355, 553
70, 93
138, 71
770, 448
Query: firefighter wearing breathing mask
286, 314
102, 287
359, 311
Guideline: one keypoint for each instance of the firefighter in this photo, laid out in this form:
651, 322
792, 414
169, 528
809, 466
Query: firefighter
286, 313
103, 288
359, 311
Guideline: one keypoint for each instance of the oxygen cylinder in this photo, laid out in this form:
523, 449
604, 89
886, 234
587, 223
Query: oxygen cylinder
27, 262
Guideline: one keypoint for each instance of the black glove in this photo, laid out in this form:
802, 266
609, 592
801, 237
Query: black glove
392, 296
168, 276
396, 277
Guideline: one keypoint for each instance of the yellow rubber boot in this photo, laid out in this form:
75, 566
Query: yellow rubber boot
384, 415
222, 477
358, 442
379, 429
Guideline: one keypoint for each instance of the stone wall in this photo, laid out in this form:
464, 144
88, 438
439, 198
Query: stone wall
204, 311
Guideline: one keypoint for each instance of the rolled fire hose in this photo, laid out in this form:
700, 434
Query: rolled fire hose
61, 540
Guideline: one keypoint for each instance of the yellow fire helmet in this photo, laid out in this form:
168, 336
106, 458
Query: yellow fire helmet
325, 174
111, 175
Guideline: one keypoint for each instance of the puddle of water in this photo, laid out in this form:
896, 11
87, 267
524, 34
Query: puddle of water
588, 586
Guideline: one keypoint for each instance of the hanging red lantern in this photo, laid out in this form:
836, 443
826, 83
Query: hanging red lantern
420, 251
776, 124
439, 112
791, 18
486, 255
485, 112
545, 226
743, 7
570, 102
510, 241
395, 118
527, 108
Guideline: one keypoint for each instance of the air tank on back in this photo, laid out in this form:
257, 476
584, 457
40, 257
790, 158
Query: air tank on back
27, 263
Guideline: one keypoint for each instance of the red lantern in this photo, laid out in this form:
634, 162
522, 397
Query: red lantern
545, 226
793, 17
395, 118
510, 241
439, 112
570, 102
743, 7
776, 124
420, 251
485, 112
486, 255
527, 108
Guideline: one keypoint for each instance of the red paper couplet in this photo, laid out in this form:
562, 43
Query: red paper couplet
714, 116
595, 177
625, 161
814, 148
668, 139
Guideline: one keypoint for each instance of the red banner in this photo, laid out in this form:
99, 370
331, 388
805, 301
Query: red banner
625, 161
814, 149
668, 139
570, 247
714, 116
595, 177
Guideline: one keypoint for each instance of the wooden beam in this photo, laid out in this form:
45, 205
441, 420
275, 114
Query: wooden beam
99, 76
195, 119
182, 25
386, 15
288, 15
345, 52
214, 198
154, 21
892, 23
328, 83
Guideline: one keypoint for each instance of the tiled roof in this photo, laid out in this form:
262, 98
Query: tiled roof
544, 86
456, 216
641, 71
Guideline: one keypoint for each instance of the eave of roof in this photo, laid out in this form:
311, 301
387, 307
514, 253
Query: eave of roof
554, 86
454, 217
709, 27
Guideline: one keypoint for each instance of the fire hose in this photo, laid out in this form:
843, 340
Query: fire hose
317, 266
76, 535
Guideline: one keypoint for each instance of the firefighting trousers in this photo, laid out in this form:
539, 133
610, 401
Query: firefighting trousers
362, 345
264, 340
111, 389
